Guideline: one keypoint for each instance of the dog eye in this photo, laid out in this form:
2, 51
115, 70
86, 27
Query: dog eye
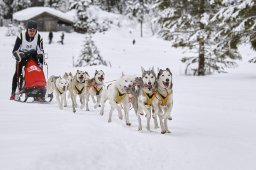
146, 77
152, 77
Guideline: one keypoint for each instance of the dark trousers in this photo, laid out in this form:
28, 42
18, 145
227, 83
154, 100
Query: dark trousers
18, 76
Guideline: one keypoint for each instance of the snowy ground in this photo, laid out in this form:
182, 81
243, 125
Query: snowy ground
213, 117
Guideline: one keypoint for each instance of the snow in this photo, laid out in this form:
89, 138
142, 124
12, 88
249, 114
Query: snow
32, 12
213, 124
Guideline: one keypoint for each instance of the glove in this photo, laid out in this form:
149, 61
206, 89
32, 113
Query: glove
18, 55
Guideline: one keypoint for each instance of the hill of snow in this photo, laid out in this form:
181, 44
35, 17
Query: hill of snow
213, 117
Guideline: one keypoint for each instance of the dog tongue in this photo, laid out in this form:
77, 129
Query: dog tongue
166, 84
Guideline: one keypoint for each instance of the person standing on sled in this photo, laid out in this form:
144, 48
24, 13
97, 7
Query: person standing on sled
28, 40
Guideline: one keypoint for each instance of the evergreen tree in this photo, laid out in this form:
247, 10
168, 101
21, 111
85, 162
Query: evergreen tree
240, 16
188, 24
2, 12
8, 11
18, 5
82, 24
37, 3
57, 4
90, 55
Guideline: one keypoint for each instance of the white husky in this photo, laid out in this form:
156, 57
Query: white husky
118, 96
68, 77
95, 87
59, 86
163, 102
79, 86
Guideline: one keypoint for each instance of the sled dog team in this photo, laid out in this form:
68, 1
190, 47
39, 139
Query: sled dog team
151, 94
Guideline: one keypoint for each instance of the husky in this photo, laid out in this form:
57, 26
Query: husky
68, 77
95, 87
163, 101
118, 96
59, 86
79, 86
147, 94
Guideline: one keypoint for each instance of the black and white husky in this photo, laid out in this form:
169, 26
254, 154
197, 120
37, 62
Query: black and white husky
118, 96
95, 87
163, 101
147, 94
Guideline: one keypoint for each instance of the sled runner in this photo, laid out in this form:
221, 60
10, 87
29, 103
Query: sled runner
32, 82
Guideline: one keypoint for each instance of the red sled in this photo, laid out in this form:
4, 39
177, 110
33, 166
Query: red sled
34, 83
34, 75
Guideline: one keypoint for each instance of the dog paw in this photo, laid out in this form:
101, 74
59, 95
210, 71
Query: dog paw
168, 131
139, 128
109, 120
128, 124
87, 109
65, 105
120, 117
163, 132
101, 113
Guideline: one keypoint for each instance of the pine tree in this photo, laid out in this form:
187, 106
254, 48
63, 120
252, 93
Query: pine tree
90, 55
82, 24
188, 25
8, 10
18, 5
240, 16
57, 4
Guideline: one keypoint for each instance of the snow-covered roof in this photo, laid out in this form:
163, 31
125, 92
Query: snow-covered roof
32, 12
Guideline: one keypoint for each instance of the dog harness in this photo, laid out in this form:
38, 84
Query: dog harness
149, 98
163, 99
119, 97
79, 91
97, 90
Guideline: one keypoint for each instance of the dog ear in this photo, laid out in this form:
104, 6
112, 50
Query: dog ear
142, 70
168, 70
153, 69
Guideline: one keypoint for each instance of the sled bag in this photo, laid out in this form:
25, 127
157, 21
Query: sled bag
34, 75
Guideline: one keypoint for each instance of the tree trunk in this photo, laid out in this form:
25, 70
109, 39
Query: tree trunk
201, 62
141, 34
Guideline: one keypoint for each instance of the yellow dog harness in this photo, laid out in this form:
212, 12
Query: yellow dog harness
119, 97
163, 99
149, 98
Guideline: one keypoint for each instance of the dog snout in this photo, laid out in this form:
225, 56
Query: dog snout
149, 83
167, 80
